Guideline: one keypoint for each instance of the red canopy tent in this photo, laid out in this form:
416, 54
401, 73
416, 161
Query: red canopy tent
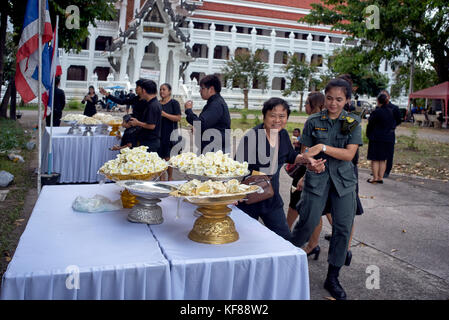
440, 91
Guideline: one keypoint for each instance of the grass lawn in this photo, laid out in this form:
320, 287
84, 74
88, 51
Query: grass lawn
12, 137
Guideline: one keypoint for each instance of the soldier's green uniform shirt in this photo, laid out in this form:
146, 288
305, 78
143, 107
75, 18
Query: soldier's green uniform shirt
338, 182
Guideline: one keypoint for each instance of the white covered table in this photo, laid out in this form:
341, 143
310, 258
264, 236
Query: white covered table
116, 259
122, 260
77, 158
260, 265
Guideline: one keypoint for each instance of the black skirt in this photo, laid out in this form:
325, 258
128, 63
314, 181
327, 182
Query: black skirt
379, 150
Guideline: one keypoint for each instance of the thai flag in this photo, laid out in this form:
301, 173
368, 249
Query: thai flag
53, 69
28, 55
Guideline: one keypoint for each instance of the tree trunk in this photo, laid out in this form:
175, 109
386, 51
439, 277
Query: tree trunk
245, 98
5, 101
300, 101
441, 63
12, 107
3, 22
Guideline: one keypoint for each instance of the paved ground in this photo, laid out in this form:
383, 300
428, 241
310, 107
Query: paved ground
404, 234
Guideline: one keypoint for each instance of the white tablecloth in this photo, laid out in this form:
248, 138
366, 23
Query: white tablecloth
116, 259
122, 260
77, 158
260, 265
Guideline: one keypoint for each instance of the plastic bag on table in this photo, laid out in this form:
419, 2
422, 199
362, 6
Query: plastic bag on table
97, 203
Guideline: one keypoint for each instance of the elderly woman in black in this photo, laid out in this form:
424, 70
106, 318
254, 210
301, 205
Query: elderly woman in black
266, 147
380, 132
91, 100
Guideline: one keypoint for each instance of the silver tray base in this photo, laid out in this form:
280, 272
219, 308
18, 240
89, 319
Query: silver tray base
146, 211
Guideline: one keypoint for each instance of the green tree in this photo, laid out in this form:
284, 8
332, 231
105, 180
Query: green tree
366, 79
422, 78
89, 12
420, 26
299, 76
246, 71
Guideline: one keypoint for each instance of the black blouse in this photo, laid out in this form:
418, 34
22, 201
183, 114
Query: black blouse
264, 158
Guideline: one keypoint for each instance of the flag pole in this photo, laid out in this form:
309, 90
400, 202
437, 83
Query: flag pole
39, 99
50, 152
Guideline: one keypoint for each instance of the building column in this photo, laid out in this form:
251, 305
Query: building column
92, 39
176, 64
123, 62
136, 7
211, 48
271, 54
309, 48
64, 67
253, 40
122, 23
232, 47
138, 57
291, 37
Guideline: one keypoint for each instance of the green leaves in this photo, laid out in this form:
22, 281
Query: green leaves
419, 25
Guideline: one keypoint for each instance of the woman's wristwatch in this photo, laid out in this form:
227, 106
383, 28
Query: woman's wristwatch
324, 148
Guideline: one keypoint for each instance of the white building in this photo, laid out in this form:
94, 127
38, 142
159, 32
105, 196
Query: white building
149, 39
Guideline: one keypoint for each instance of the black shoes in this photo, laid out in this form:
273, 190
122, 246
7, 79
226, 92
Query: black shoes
333, 285
348, 258
316, 252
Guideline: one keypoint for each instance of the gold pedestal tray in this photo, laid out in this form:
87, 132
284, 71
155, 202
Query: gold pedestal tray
128, 199
115, 130
214, 226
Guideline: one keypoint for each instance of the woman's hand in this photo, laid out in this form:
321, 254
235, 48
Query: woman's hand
316, 166
313, 151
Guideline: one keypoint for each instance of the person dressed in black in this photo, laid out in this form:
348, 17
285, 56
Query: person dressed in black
129, 96
215, 115
171, 115
138, 104
150, 120
58, 105
397, 118
380, 132
266, 148
90, 100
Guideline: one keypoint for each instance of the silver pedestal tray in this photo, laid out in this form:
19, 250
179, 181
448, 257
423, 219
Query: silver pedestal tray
88, 130
149, 193
74, 128
102, 129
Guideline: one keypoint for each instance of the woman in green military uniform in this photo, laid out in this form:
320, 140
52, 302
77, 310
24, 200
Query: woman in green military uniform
334, 135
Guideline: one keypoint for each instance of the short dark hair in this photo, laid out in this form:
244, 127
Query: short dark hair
211, 80
57, 80
149, 86
167, 85
271, 103
139, 82
382, 99
340, 83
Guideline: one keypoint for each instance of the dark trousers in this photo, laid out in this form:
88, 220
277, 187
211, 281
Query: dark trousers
274, 220
390, 159
342, 209
56, 119
153, 145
